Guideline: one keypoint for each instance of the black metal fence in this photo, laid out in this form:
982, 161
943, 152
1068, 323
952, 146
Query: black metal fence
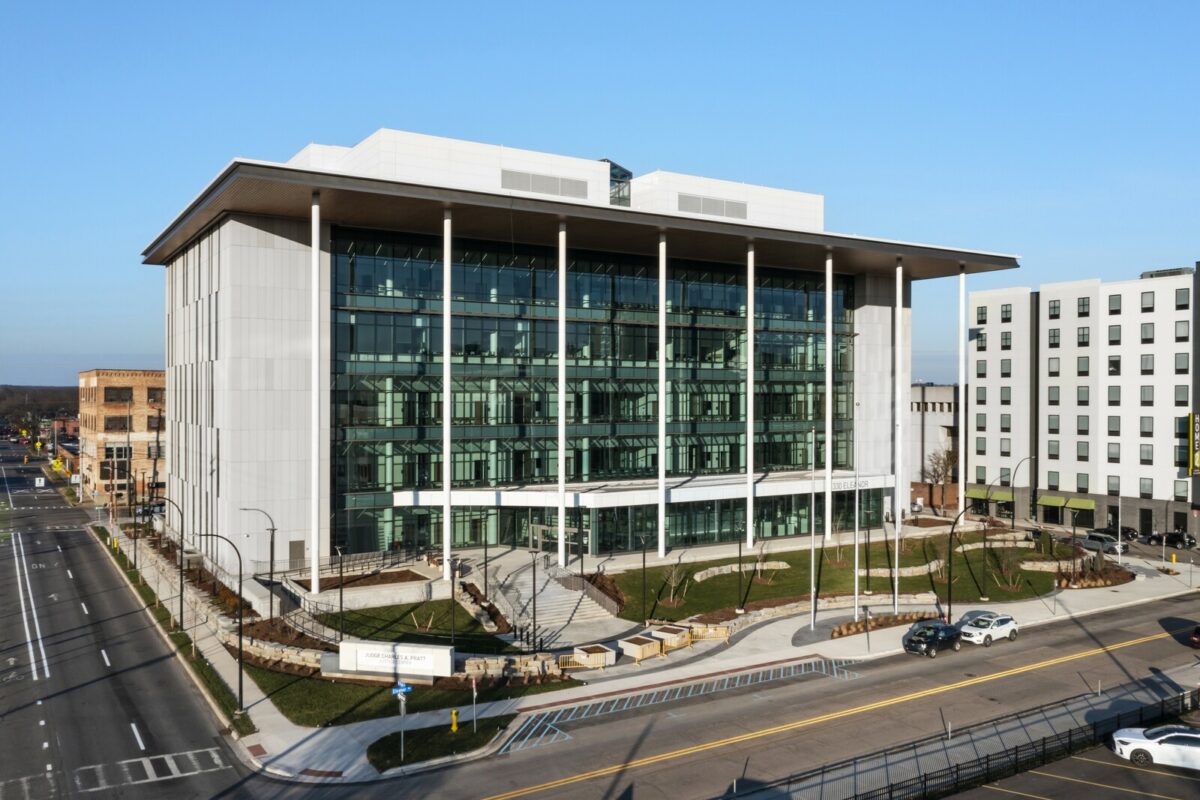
991, 767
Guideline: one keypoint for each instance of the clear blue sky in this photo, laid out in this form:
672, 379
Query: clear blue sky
1065, 132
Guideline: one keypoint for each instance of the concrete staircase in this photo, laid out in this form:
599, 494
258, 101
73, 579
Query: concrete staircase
557, 606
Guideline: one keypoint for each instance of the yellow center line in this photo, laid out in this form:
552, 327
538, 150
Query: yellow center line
1013, 791
810, 721
1110, 787
1124, 765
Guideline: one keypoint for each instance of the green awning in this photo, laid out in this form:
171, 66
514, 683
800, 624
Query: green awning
1051, 500
1002, 495
977, 493
1081, 504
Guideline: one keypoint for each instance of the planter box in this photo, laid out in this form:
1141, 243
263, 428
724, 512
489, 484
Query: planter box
672, 636
639, 647
596, 655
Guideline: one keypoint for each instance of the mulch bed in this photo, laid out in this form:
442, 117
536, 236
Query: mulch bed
279, 632
929, 522
608, 586
502, 625
370, 579
221, 595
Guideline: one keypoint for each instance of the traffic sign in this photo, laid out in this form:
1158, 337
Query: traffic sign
401, 688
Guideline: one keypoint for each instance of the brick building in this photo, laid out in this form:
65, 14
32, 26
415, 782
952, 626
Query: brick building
122, 443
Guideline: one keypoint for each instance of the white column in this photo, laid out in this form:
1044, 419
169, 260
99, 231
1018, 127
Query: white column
562, 394
662, 395
962, 387
900, 495
828, 393
314, 488
750, 394
447, 398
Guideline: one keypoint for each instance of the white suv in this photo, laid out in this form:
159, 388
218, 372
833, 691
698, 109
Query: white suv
986, 627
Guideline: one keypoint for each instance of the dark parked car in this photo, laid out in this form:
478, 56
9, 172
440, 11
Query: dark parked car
1195, 637
1128, 534
1177, 539
930, 637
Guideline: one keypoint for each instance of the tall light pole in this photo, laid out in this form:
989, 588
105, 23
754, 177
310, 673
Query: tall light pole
342, 596
812, 532
241, 653
856, 405
642, 541
950, 568
533, 634
1014, 487
166, 499
987, 499
270, 563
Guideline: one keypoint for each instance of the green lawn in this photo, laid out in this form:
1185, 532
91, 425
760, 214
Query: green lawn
316, 702
834, 576
420, 623
426, 743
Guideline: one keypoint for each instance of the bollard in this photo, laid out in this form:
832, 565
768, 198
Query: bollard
454, 720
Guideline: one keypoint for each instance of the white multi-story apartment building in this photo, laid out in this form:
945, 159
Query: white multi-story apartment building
1082, 401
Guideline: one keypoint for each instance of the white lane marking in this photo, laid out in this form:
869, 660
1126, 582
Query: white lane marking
45, 745
59, 547
41, 722
37, 626
69, 575
107, 663
24, 616
138, 736
84, 607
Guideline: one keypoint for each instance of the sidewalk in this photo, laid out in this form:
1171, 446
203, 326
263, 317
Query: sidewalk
339, 753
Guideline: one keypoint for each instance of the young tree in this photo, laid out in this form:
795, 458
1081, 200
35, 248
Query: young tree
939, 468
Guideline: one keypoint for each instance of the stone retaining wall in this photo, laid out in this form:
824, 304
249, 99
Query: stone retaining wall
530, 666
749, 568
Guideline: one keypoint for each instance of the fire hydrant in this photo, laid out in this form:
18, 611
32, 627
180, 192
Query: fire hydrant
454, 720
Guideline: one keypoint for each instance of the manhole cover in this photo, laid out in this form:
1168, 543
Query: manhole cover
970, 675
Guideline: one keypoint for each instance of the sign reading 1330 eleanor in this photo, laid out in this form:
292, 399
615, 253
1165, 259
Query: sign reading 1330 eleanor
406, 660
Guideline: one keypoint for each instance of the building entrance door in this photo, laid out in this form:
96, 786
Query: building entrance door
1145, 521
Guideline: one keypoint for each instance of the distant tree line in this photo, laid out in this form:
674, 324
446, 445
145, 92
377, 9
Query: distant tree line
25, 404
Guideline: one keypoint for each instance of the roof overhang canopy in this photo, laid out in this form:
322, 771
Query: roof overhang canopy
279, 190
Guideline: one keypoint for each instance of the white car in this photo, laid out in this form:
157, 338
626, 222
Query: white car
987, 627
1169, 745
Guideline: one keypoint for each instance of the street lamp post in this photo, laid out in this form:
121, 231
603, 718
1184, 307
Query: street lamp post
812, 535
270, 563
737, 607
241, 652
533, 634
1013, 480
642, 542
950, 567
341, 593
180, 510
987, 499
856, 405
1074, 546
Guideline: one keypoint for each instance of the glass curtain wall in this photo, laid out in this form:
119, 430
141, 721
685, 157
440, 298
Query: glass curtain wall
387, 365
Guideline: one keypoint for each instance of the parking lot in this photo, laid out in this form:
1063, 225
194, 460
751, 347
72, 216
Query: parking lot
1097, 774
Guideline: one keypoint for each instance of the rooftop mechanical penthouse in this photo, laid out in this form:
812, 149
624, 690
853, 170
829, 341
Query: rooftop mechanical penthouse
593, 382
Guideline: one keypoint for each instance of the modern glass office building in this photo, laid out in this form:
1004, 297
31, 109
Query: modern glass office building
603, 377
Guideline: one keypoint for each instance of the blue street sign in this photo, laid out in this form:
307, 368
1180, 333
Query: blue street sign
403, 688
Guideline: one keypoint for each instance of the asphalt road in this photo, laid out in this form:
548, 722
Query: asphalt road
92, 704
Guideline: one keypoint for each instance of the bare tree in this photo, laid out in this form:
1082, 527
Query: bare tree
675, 577
939, 468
